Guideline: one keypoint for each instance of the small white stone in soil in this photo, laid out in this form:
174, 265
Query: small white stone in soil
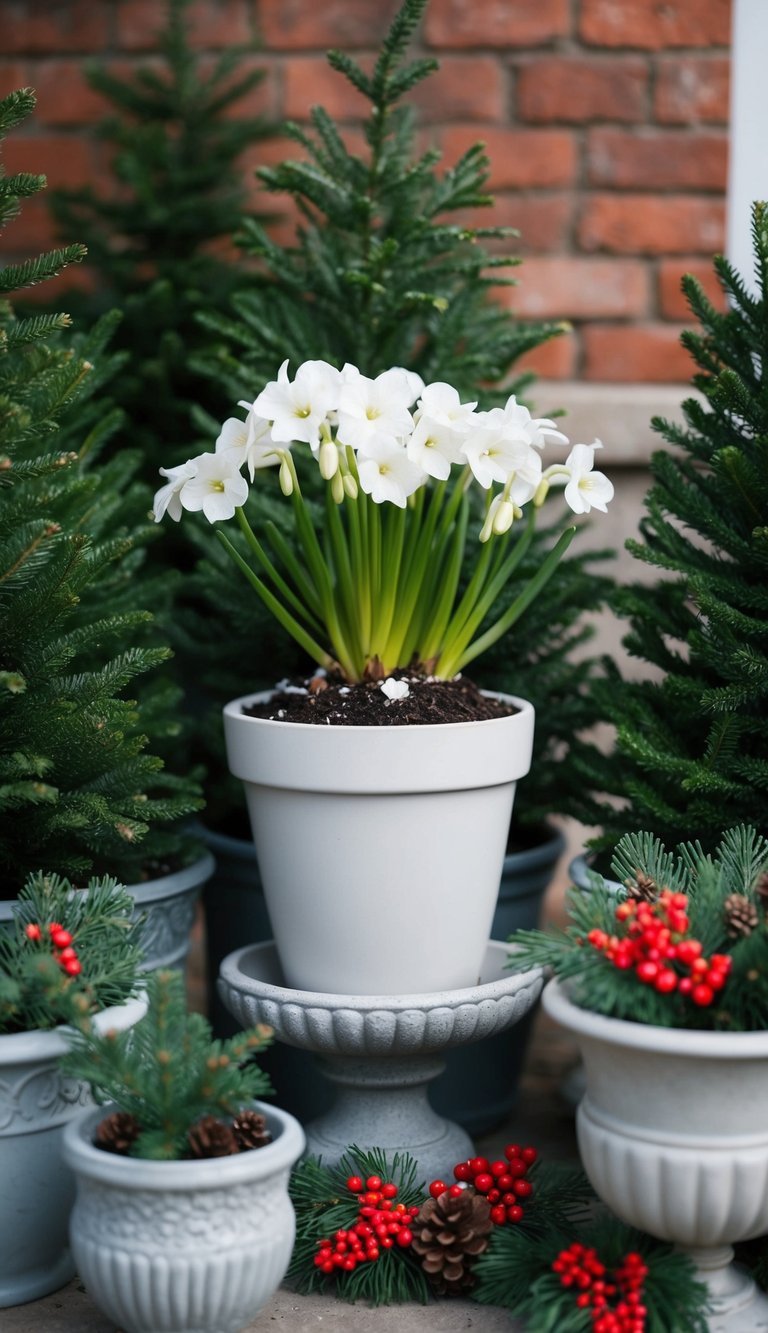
343, 689
395, 689
285, 687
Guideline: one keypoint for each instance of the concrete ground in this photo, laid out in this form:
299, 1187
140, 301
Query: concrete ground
542, 1118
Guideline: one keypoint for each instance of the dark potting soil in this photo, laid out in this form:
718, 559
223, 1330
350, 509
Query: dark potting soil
323, 700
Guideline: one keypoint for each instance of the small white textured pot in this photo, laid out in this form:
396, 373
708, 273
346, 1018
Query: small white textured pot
36, 1192
183, 1247
673, 1135
380, 848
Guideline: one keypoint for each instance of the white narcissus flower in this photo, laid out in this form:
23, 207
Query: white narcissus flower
375, 409
298, 408
442, 402
167, 499
586, 489
434, 446
386, 473
248, 441
217, 487
497, 450
537, 429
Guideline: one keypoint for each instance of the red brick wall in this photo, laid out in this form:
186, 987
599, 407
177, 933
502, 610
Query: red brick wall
605, 120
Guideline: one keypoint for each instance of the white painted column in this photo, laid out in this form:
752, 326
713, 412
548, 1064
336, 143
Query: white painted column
748, 165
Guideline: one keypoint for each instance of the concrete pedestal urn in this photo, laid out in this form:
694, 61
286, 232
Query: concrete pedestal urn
380, 848
36, 1191
673, 1135
187, 1246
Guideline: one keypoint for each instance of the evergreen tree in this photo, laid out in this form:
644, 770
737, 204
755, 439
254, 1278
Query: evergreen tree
691, 753
78, 791
383, 272
152, 234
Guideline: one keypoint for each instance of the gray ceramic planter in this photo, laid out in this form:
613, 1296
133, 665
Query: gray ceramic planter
36, 1104
183, 1247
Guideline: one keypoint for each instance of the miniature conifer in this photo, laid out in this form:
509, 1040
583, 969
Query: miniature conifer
78, 791
691, 752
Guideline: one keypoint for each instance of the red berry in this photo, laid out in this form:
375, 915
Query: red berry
647, 972
498, 1168
702, 995
483, 1182
478, 1165
73, 967
666, 981
373, 1183
60, 938
455, 1191
33, 931
55, 925
387, 1242
355, 1184
515, 1213
517, 1167
67, 953
404, 1237
437, 1188
529, 1155
389, 1190
686, 986
504, 1182
493, 1195
499, 1214
350, 1262
463, 1171
512, 1150
523, 1189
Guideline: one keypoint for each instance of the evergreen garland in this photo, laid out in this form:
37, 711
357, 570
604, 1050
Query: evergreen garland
721, 920
66, 954
166, 1072
381, 274
78, 790
691, 753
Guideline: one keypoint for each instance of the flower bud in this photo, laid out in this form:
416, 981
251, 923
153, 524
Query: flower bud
329, 461
350, 486
503, 518
285, 477
337, 488
541, 492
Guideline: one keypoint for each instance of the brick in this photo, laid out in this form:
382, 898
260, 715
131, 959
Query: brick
55, 25
212, 24
496, 23
13, 74
640, 352
53, 294
519, 158
543, 221
692, 89
560, 88
672, 303
64, 96
654, 25
657, 159
652, 225
301, 25
554, 360
571, 287
31, 231
63, 158
464, 88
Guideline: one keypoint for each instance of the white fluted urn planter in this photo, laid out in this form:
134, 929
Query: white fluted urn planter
36, 1191
673, 1135
380, 848
188, 1246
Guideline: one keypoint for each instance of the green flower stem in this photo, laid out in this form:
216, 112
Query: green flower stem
473, 611
282, 587
340, 556
404, 633
517, 608
288, 622
450, 572
307, 591
394, 538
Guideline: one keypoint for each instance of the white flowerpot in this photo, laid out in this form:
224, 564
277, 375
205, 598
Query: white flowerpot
380, 848
36, 1190
167, 905
183, 1247
673, 1135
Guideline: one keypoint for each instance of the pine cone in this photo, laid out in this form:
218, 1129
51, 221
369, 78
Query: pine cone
211, 1138
117, 1133
250, 1131
447, 1235
740, 914
642, 886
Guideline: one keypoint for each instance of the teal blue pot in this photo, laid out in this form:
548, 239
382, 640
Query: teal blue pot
480, 1083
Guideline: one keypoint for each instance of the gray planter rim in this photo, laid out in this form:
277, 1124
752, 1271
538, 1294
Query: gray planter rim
43, 1044
189, 877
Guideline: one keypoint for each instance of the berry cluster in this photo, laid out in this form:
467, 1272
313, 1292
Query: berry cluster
503, 1183
580, 1268
63, 949
381, 1223
655, 945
